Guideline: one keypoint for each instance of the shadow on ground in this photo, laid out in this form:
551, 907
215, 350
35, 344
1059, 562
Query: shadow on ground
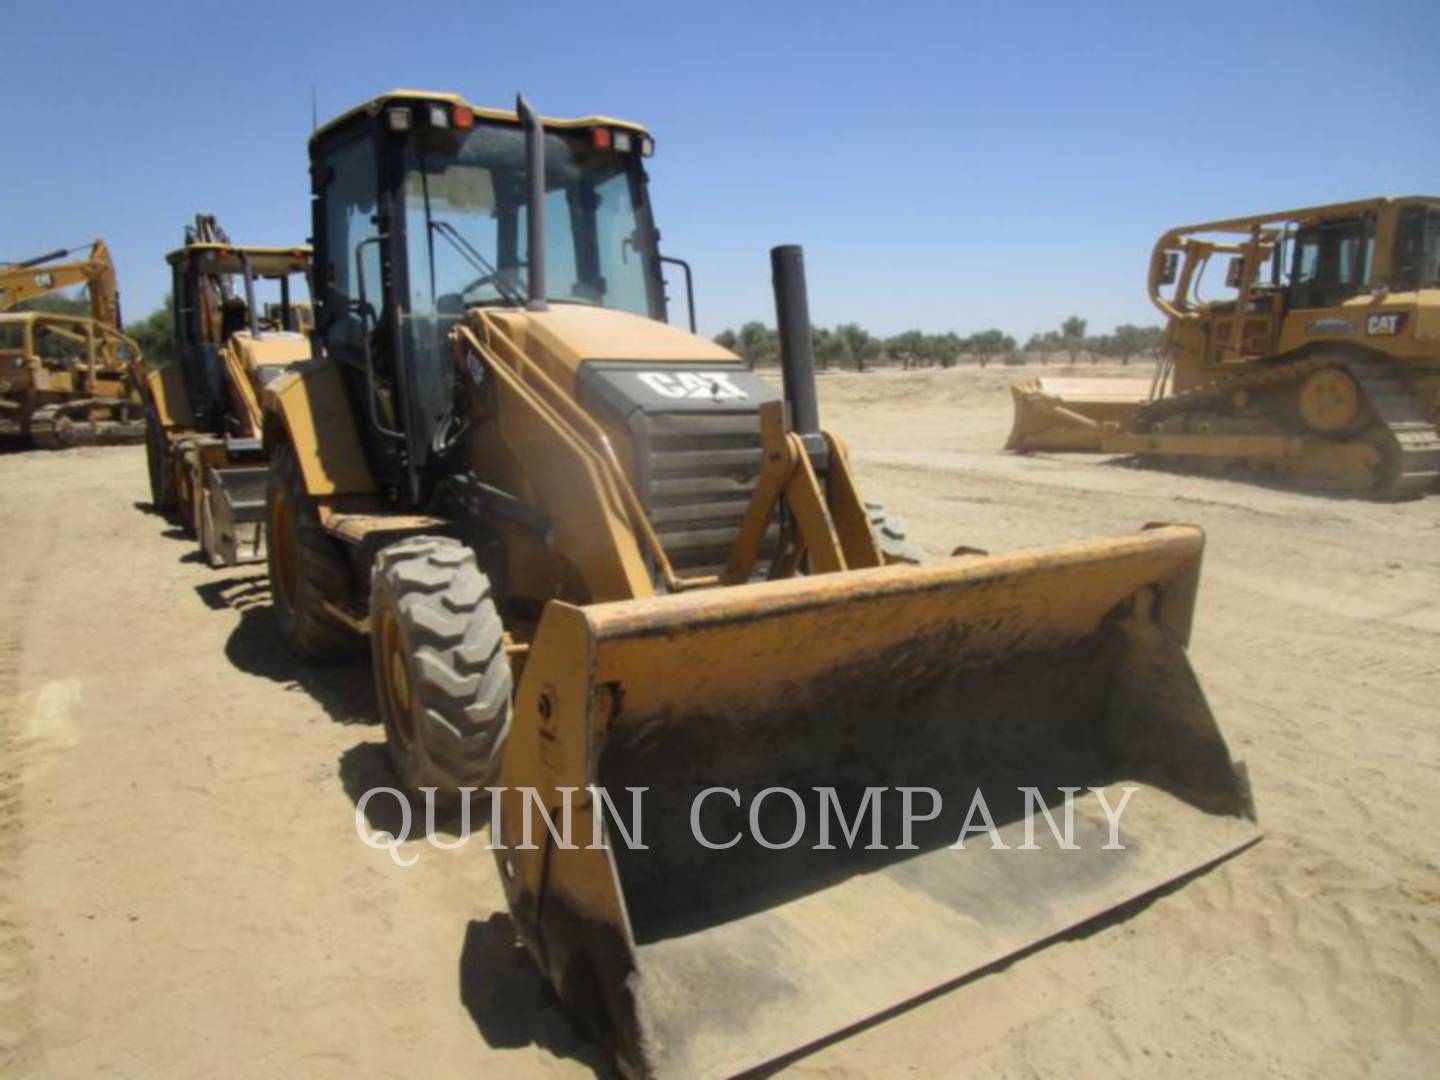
1235, 472
366, 767
511, 1005
342, 688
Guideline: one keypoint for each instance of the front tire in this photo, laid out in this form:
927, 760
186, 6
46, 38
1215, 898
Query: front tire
442, 676
306, 570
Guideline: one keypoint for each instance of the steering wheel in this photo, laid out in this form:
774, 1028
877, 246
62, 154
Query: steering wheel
479, 283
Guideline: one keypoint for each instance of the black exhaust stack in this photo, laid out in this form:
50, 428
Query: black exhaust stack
797, 355
534, 204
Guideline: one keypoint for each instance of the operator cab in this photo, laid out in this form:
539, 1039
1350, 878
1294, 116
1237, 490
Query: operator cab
1332, 261
419, 205
220, 293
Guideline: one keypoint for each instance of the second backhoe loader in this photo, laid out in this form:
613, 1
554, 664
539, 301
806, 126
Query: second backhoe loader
203, 416
594, 553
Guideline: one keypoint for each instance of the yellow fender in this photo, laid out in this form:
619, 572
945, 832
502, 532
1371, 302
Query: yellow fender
308, 407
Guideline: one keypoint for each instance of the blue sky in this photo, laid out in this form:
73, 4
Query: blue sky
947, 166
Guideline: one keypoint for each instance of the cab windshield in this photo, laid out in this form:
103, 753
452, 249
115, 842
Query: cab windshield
466, 223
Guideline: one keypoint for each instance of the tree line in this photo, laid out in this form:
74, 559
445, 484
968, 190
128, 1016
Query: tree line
851, 345
848, 345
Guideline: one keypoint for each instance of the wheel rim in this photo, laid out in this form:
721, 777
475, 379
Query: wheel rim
396, 678
281, 549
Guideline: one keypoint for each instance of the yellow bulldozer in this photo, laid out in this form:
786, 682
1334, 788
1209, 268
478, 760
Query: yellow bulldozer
66, 379
203, 416
595, 554
1320, 364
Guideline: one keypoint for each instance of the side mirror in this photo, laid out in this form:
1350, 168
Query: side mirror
1171, 270
1235, 274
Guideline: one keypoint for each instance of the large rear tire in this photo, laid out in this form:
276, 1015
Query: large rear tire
157, 462
442, 676
306, 569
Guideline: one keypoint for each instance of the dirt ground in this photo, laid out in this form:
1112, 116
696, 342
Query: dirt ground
182, 891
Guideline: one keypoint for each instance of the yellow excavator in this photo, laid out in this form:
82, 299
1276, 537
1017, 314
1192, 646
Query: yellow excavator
66, 379
1320, 365
598, 558
203, 415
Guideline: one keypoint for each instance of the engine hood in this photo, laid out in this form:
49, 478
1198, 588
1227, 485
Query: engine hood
568, 336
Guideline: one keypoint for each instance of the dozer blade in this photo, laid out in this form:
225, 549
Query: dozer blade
1050, 669
1070, 414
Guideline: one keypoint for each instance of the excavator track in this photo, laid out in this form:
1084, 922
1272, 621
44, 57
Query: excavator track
71, 423
1406, 438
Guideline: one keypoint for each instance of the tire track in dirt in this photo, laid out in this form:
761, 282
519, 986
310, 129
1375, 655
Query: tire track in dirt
19, 1044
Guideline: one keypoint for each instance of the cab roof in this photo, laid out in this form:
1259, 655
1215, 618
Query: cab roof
414, 97
230, 258
1305, 215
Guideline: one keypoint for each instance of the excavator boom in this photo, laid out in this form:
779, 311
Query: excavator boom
46, 274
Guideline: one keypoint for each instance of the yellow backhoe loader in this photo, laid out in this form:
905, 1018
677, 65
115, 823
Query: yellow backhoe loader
203, 416
66, 379
591, 550
1320, 367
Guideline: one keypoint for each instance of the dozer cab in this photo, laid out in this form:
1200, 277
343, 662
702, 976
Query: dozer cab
65, 379
593, 552
1320, 367
203, 418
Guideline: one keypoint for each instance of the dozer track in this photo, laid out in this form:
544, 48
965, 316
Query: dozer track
1413, 448
1407, 440
70, 423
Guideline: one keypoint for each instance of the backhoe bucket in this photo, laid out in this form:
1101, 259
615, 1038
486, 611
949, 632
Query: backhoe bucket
1072, 414
877, 697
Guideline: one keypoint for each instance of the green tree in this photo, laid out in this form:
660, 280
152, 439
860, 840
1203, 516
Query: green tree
1039, 345
988, 344
859, 345
726, 339
1072, 333
1099, 345
58, 304
829, 348
1127, 341
758, 342
909, 348
155, 334
946, 348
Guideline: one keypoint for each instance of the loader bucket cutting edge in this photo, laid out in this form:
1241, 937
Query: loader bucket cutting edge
1055, 668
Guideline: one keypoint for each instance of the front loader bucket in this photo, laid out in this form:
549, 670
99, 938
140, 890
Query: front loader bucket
1044, 670
1072, 414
